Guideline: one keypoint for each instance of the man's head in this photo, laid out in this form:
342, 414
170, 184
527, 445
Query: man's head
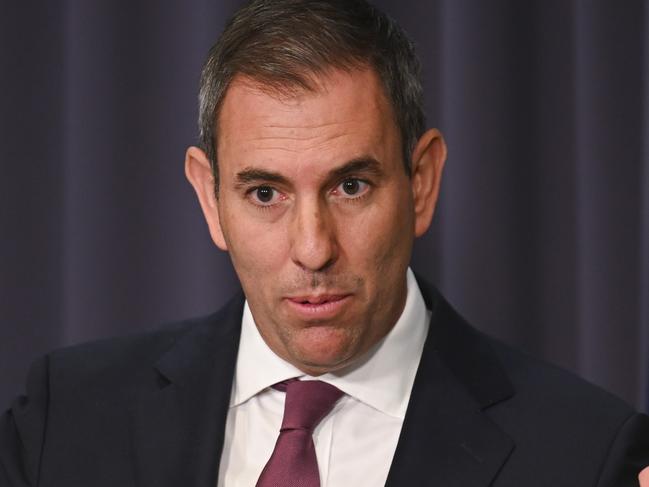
314, 204
283, 43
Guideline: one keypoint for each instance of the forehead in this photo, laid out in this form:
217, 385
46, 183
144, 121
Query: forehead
346, 112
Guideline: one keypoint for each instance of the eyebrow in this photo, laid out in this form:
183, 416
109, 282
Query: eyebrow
364, 164
253, 175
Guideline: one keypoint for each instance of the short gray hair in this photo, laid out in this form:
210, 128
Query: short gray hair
283, 44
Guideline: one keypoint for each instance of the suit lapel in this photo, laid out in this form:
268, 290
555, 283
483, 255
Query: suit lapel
178, 428
447, 440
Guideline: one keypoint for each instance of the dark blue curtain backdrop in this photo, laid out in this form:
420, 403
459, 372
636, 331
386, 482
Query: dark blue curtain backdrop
541, 238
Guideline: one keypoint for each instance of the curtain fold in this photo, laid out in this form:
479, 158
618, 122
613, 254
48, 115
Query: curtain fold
609, 67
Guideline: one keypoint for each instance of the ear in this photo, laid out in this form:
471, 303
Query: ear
199, 174
426, 175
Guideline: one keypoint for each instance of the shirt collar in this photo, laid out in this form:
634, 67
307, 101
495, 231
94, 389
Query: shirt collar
382, 379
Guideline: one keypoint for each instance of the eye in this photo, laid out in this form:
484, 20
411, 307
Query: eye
352, 188
264, 195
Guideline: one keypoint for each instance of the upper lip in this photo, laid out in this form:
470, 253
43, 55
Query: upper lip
317, 298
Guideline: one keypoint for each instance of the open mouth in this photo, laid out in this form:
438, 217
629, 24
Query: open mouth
318, 307
319, 299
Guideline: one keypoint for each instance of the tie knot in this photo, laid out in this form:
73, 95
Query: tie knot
307, 402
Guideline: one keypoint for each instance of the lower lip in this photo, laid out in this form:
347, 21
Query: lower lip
320, 311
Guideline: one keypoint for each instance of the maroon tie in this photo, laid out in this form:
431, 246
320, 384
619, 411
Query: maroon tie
293, 462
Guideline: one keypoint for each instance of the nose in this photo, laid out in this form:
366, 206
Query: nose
313, 241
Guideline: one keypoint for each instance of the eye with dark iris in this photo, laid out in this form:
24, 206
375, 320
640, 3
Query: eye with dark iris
351, 186
264, 194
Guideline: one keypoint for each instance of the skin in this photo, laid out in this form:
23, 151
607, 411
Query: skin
315, 205
644, 478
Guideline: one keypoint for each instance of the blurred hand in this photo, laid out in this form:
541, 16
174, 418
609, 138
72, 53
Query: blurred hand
644, 478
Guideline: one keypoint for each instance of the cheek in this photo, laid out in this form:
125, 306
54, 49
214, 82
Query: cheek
257, 249
379, 238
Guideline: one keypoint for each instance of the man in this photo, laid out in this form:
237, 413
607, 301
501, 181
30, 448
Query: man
316, 174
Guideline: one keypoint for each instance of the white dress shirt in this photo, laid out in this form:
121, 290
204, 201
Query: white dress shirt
356, 441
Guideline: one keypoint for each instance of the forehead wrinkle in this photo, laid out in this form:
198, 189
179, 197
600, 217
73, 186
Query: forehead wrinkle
297, 134
302, 139
305, 132
299, 144
314, 126
284, 137
282, 148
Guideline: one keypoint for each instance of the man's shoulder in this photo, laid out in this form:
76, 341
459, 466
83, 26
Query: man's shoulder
93, 397
549, 387
543, 408
560, 419
122, 352
130, 361
481, 362
111, 364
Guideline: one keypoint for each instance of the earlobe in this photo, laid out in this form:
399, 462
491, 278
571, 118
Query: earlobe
199, 173
427, 165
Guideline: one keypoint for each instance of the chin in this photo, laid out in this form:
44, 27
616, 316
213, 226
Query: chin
322, 349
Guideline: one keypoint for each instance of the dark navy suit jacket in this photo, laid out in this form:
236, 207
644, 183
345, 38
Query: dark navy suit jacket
150, 410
